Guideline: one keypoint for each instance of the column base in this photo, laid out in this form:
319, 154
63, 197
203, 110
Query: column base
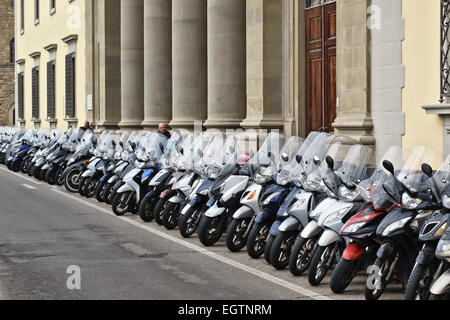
153, 124
358, 129
262, 124
130, 126
52, 122
108, 125
222, 124
186, 124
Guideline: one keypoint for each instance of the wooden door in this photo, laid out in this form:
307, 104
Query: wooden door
320, 68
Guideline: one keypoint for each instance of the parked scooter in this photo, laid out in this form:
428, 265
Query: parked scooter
308, 192
341, 185
428, 267
441, 288
245, 218
135, 184
77, 162
399, 229
360, 229
164, 179
226, 191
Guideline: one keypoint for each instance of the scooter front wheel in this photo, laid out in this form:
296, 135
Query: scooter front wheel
90, 187
211, 229
188, 222
99, 191
59, 177
257, 240
322, 261
237, 234
419, 283
72, 180
122, 203
170, 216
374, 289
280, 252
301, 255
343, 274
159, 210
147, 208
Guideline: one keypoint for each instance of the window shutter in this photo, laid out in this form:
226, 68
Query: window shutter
35, 92
20, 95
51, 112
70, 86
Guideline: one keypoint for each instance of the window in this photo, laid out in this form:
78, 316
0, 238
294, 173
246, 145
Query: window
52, 6
316, 3
20, 95
70, 86
51, 92
12, 51
445, 48
35, 92
36, 11
22, 16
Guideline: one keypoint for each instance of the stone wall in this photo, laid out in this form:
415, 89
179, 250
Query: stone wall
6, 68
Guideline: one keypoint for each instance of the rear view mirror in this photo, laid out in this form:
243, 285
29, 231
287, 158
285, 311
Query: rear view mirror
200, 153
121, 144
285, 157
389, 167
161, 146
426, 168
330, 162
316, 160
113, 143
133, 145
299, 159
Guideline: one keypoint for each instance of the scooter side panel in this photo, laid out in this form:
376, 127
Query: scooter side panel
233, 186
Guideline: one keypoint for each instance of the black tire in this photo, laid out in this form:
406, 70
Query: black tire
15, 166
280, 252
147, 208
42, 175
377, 291
256, 242
36, 173
99, 191
343, 274
319, 265
171, 214
24, 166
159, 210
81, 186
268, 248
107, 193
50, 176
235, 235
59, 177
419, 283
30, 169
72, 180
188, 222
440, 297
210, 230
122, 203
301, 255
90, 186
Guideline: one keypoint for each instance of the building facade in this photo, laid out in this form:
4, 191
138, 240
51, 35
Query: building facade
7, 99
363, 68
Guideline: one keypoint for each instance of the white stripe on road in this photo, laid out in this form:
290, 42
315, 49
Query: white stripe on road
20, 176
202, 250
28, 186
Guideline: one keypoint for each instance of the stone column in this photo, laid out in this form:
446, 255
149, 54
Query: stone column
132, 63
189, 69
226, 63
108, 96
353, 71
264, 64
157, 62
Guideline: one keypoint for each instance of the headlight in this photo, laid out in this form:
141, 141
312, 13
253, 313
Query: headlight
348, 195
212, 173
268, 171
443, 250
410, 203
396, 226
270, 198
282, 179
354, 227
446, 201
337, 215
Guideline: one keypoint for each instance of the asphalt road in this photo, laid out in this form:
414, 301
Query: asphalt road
45, 232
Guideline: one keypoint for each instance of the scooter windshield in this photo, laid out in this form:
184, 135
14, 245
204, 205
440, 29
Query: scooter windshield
288, 159
371, 189
441, 178
172, 148
266, 159
182, 153
411, 175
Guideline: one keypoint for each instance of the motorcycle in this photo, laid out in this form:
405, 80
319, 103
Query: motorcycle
135, 184
360, 230
441, 287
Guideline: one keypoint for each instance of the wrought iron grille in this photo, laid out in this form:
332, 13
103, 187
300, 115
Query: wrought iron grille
445, 49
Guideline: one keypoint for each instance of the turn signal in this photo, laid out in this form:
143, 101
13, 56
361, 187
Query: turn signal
252, 195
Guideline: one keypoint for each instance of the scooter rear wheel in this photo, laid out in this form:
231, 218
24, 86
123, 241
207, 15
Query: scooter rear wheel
159, 210
147, 208
72, 180
211, 229
90, 186
99, 191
